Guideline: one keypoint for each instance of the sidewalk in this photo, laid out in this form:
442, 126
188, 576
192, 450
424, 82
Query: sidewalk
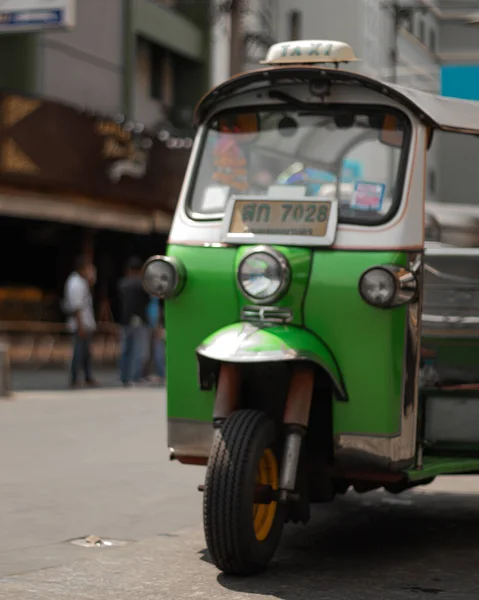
27, 379
55, 379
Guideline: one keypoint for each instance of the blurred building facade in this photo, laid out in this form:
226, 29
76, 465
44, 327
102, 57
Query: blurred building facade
404, 49
258, 21
457, 173
142, 58
94, 139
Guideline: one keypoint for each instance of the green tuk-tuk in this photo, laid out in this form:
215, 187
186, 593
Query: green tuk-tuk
296, 280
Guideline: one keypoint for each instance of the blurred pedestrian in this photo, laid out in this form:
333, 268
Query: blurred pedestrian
156, 322
78, 305
134, 323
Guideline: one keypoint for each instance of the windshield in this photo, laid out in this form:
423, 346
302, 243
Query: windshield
355, 155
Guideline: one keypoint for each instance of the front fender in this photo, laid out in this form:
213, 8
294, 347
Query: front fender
247, 343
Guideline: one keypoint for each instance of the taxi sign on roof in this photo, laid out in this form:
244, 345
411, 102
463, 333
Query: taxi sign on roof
309, 51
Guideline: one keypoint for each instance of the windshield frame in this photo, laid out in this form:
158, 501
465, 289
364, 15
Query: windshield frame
362, 109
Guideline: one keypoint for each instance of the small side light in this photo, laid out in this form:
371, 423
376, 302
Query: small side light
163, 276
388, 286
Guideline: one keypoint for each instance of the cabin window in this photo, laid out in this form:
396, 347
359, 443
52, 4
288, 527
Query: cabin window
408, 22
422, 31
161, 86
432, 40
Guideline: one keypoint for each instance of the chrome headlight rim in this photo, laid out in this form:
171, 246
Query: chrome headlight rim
178, 271
285, 270
406, 286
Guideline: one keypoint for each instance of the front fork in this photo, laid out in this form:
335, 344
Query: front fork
295, 418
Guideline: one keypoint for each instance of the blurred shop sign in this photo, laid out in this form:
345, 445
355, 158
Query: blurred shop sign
53, 146
18, 16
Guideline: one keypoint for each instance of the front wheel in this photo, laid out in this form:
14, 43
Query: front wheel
242, 536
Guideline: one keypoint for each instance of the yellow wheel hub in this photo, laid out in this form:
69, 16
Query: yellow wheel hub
263, 514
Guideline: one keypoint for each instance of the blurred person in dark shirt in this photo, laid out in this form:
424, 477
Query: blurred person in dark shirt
134, 323
158, 336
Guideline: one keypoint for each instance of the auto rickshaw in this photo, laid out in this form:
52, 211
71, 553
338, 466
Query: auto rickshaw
296, 282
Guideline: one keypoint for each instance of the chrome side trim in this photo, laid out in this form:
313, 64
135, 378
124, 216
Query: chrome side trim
451, 277
190, 438
449, 319
413, 346
452, 251
400, 449
407, 284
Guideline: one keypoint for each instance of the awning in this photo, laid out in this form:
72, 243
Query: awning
82, 211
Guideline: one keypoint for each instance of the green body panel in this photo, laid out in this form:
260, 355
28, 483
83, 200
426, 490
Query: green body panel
300, 262
345, 334
286, 342
208, 302
368, 343
443, 465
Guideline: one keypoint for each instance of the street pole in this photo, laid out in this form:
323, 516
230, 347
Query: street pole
395, 45
236, 41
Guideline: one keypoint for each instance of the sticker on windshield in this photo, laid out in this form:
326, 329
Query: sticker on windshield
214, 198
230, 165
368, 195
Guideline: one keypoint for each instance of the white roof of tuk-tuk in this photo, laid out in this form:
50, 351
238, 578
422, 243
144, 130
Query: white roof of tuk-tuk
452, 114
449, 114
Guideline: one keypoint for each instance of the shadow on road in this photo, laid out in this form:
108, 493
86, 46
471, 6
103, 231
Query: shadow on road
414, 545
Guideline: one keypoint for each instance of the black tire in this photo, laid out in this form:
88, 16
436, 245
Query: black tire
228, 516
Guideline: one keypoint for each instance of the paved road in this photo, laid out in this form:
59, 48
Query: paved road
86, 462
91, 462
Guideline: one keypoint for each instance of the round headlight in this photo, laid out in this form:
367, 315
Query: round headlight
263, 275
378, 287
163, 276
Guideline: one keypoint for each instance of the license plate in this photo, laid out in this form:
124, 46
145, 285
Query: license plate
273, 217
